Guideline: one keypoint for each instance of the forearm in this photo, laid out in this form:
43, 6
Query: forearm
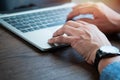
116, 22
104, 62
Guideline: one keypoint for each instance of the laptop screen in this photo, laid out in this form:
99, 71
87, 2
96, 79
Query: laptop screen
18, 5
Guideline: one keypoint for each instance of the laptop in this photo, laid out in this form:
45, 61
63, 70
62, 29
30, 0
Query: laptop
35, 20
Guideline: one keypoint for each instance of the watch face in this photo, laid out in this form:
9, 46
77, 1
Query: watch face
109, 49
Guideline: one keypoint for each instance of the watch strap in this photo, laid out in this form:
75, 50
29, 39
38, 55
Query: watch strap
101, 55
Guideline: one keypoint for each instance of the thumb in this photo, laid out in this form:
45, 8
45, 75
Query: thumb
81, 10
91, 21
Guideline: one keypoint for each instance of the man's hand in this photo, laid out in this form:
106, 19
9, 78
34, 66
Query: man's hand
84, 37
107, 20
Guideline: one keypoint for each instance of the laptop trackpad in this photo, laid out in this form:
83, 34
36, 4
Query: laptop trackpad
40, 37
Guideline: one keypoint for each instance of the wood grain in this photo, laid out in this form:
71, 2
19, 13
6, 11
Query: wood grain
21, 61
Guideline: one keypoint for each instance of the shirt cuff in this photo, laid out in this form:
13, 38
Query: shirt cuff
111, 72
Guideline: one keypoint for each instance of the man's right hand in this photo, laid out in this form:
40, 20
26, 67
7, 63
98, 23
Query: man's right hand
107, 20
83, 37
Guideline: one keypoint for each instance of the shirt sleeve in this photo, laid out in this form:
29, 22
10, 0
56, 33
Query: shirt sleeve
111, 72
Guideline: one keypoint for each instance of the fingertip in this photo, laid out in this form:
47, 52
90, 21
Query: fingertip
55, 34
50, 41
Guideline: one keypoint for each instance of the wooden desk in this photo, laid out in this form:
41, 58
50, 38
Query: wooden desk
21, 61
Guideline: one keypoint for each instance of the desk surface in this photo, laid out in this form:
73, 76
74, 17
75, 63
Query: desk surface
21, 61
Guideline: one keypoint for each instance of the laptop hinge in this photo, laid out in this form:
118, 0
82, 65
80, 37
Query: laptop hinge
3, 14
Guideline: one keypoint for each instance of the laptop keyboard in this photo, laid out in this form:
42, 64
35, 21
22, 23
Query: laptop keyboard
38, 20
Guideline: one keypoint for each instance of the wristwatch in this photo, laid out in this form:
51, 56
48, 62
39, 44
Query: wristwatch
105, 52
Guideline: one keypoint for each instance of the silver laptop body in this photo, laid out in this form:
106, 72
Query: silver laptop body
39, 37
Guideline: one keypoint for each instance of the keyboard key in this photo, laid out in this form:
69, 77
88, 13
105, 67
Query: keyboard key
38, 20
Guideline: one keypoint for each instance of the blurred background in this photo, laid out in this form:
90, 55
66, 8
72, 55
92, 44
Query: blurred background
82, 1
114, 4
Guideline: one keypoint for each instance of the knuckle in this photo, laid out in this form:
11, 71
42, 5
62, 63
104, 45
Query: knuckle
61, 38
69, 22
96, 6
80, 9
65, 27
53, 40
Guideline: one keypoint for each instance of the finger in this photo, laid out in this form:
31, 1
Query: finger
66, 29
62, 39
79, 5
81, 10
74, 24
82, 22
83, 5
86, 21
69, 28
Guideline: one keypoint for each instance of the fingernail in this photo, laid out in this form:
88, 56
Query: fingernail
49, 41
54, 35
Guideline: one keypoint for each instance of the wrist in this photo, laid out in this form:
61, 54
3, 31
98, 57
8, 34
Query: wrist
104, 62
106, 55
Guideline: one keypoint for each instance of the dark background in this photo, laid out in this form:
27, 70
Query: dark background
11, 5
